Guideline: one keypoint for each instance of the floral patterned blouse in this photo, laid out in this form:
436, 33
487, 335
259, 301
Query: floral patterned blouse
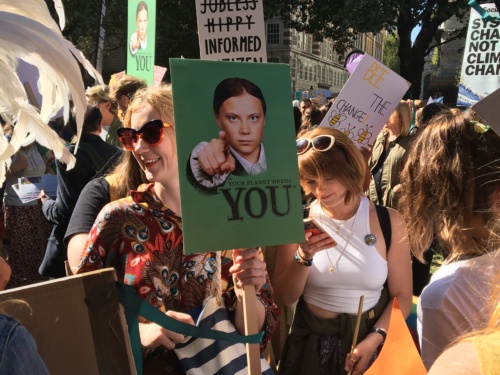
142, 240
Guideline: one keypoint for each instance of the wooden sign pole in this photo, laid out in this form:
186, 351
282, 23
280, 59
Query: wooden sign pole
250, 319
356, 328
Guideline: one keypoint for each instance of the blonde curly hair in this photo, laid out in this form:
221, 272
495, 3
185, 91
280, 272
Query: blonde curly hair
100, 94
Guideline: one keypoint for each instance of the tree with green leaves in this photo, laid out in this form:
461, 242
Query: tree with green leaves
82, 24
391, 57
341, 20
176, 33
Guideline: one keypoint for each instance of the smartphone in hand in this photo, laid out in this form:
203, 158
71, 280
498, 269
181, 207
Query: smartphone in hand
310, 225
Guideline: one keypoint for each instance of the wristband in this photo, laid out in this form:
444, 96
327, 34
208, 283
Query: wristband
380, 331
304, 262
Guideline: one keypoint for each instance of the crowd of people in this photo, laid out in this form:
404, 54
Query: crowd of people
423, 189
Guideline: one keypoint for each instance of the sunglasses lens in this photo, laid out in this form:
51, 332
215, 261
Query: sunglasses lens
152, 132
127, 137
302, 145
322, 143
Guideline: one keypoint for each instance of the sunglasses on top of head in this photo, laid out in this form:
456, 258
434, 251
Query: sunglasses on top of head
151, 132
320, 143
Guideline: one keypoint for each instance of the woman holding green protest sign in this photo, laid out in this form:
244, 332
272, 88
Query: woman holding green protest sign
141, 237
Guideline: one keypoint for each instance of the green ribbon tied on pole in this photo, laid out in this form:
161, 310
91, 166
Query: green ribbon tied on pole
482, 12
135, 306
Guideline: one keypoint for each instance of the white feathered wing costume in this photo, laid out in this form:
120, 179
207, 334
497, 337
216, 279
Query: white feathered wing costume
28, 32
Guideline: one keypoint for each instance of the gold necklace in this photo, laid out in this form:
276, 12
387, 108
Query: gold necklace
338, 228
347, 240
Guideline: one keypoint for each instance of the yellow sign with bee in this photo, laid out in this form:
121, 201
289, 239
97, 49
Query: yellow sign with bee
366, 101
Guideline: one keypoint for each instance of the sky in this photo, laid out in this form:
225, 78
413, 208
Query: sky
414, 33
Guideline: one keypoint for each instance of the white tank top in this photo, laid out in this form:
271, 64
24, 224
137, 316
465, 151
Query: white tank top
360, 270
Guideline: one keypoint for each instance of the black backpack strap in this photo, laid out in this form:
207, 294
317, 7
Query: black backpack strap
385, 224
97, 161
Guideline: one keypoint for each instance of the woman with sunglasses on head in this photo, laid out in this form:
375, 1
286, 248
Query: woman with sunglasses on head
328, 273
141, 237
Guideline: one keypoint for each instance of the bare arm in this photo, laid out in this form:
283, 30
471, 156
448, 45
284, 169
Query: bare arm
400, 287
76, 246
399, 263
290, 276
153, 335
20, 164
460, 359
248, 269
4, 273
399, 276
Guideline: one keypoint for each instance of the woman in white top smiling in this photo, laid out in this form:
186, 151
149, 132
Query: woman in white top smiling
330, 271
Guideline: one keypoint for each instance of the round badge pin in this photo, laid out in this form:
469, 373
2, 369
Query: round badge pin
370, 239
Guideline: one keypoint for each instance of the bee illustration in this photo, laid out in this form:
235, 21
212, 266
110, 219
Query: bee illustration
364, 135
336, 118
348, 131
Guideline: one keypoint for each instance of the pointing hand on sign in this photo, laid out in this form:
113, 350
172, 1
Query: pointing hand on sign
216, 157
240, 113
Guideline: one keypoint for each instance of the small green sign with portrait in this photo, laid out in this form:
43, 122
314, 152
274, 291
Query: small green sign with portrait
141, 39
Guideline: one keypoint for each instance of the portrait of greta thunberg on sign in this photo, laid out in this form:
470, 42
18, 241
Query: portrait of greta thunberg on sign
240, 113
139, 39
236, 154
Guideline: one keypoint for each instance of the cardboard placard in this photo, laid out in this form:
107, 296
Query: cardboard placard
77, 322
480, 65
487, 109
255, 207
231, 30
366, 101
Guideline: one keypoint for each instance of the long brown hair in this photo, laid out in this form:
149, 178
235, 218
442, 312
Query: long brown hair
126, 176
450, 175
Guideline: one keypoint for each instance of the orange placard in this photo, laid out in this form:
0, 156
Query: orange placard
399, 354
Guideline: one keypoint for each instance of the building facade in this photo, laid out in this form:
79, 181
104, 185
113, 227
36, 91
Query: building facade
442, 79
314, 65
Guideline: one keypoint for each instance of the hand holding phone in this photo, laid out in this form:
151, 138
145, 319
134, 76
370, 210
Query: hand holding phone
310, 225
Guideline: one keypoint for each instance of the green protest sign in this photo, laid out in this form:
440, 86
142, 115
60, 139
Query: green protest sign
141, 39
241, 115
